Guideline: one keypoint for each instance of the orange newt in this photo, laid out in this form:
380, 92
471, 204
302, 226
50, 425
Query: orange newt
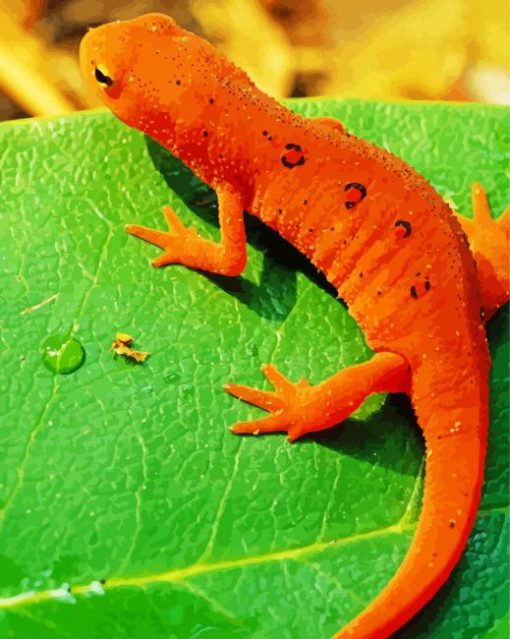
420, 282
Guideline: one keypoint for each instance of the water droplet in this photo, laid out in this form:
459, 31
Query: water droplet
187, 390
62, 354
172, 377
97, 587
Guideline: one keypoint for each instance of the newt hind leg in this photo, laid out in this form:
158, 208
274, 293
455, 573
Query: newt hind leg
489, 241
300, 408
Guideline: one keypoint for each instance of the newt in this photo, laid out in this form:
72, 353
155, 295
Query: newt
420, 282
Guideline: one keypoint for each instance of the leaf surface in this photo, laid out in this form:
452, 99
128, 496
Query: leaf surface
127, 473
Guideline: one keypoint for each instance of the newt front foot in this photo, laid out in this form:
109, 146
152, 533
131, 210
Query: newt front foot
172, 242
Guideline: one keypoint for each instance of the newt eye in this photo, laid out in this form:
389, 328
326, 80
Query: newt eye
103, 78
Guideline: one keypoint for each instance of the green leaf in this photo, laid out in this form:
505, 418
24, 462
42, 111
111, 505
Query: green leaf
128, 473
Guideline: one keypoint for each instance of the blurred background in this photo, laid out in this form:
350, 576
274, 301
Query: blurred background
385, 49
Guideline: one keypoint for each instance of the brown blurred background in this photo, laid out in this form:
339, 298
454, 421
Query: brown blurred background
386, 49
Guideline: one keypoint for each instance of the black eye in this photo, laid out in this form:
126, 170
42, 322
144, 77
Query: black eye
102, 78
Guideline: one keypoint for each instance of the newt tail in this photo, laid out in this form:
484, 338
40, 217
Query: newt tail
447, 516
449, 362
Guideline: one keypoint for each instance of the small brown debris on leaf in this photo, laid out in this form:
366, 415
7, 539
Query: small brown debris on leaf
122, 346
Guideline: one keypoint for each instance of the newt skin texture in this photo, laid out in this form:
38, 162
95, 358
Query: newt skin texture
377, 230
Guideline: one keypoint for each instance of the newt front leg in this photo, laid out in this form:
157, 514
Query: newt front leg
182, 245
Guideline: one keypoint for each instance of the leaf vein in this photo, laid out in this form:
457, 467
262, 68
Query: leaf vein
179, 575
138, 504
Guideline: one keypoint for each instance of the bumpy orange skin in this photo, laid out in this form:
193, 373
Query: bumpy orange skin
378, 231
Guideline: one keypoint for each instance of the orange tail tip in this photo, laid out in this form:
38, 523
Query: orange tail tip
453, 480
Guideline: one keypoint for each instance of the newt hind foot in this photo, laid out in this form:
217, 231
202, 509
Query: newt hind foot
300, 408
489, 241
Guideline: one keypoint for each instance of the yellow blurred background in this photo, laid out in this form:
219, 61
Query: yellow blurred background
385, 49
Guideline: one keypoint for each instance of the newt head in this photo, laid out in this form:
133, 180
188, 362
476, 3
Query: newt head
139, 67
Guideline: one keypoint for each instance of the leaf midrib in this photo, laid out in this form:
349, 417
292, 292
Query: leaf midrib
181, 575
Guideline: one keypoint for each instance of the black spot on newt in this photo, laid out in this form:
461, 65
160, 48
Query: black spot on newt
404, 228
354, 192
293, 156
414, 294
